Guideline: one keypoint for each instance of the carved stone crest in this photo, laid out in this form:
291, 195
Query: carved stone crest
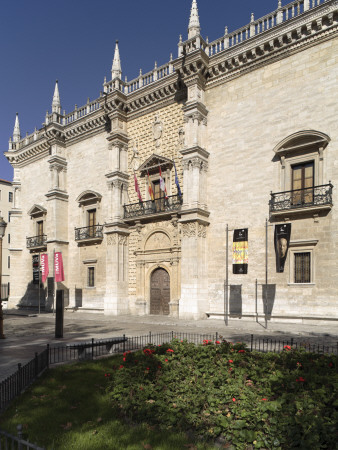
157, 131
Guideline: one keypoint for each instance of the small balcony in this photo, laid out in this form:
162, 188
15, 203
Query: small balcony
313, 200
37, 242
161, 206
89, 234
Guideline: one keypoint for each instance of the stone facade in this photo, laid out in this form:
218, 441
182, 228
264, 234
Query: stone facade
6, 202
237, 125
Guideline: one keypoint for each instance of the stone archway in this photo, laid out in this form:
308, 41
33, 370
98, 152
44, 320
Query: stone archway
159, 292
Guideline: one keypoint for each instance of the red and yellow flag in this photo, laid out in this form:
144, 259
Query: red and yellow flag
150, 189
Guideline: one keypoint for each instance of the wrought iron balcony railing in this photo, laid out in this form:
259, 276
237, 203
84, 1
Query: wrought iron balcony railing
89, 233
36, 241
316, 196
161, 205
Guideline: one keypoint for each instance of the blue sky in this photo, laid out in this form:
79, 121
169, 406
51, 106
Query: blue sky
73, 41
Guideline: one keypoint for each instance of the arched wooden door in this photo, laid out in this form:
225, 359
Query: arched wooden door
159, 292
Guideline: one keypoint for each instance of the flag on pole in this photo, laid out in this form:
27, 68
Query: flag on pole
150, 189
58, 267
177, 182
162, 184
44, 267
137, 189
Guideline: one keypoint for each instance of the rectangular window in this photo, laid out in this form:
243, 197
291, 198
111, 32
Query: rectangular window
91, 219
91, 276
159, 196
10, 197
9, 262
9, 238
302, 267
302, 183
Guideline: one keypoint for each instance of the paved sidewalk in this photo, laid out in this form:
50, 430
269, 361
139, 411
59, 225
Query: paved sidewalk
28, 332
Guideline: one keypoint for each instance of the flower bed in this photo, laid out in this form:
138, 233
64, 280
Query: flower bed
220, 390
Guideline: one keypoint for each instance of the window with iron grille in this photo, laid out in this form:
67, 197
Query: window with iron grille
302, 267
91, 276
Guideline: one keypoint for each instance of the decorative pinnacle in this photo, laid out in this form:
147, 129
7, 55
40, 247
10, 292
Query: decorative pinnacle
56, 104
116, 71
194, 22
226, 31
252, 17
16, 132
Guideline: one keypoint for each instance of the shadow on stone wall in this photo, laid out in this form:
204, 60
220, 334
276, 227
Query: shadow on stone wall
268, 297
30, 299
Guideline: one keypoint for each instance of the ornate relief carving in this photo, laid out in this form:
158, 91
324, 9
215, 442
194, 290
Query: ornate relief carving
112, 239
135, 159
157, 131
202, 230
157, 240
123, 240
189, 229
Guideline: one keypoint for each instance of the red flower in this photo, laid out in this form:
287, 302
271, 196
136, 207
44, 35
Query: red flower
166, 360
121, 366
287, 347
217, 342
141, 388
159, 367
230, 369
170, 350
264, 399
148, 368
124, 359
300, 379
241, 351
234, 399
230, 361
330, 364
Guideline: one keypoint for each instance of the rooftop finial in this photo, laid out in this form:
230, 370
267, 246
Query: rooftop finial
56, 104
116, 70
16, 132
194, 23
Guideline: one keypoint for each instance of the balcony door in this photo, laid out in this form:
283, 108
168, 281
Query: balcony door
158, 196
302, 183
91, 222
159, 292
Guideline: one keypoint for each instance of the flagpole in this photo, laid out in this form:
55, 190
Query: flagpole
54, 293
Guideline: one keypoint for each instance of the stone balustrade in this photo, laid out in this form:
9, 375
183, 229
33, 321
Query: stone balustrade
255, 27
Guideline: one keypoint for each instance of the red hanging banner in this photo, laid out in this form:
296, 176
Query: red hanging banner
44, 267
58, 267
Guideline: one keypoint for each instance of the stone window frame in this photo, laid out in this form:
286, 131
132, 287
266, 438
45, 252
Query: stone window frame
87, 201
155, 177
302, 246
299, 148
37, 214
90, 264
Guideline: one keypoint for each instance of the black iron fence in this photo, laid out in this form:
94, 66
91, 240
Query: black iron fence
92, 232
301, 198
160, 205
36, 241
9, 441
14, 385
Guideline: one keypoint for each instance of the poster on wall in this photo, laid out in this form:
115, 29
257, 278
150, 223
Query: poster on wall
240, 252
282, 241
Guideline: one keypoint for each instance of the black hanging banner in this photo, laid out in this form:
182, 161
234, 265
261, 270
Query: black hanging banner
282, 241
35, 263
240, 252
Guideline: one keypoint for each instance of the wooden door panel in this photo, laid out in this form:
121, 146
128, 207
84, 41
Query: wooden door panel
159, 292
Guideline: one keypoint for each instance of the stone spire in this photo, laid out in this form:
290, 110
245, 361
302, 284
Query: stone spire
16, 132
194, 23
56, 104
116, 71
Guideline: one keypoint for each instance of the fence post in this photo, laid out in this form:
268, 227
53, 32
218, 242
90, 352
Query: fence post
36, 365
172, 335
149, 337
124, 343
19, 377
92, 348
251, 343
291, 342
216, 335
48, 356
19, 429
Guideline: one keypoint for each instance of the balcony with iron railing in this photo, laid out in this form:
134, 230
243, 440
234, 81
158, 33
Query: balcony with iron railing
162, 206
89, 234
311, 199
37, 242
